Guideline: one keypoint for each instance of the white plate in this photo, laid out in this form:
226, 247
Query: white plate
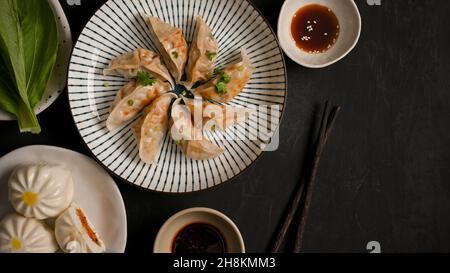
57, 81
118, 27
95, 191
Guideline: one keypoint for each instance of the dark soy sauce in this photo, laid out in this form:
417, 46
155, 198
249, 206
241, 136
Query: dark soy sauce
199, 238
315, 28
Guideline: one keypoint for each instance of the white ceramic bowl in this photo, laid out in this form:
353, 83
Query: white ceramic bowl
167, 233
350, 28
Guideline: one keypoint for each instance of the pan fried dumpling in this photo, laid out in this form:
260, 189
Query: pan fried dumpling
151, 129
129, 106
40, 191
222, 117
123, 92
200, 149
171, 44
229, 83
128, 65
181, 126
136, 128
19, 234
208, 111
75, 233
190, 139
202, 54
217, 116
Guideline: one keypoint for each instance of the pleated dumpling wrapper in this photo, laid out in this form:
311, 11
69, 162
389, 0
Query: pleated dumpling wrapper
151, 129
216, 116
19, 234
128, 105
171, 44
126, 90
75, 233
189, 137
130, 64
229, 82
202, 55
40, 191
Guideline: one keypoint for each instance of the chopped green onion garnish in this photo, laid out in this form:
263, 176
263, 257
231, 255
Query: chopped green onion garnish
175, 54
211, 55
156, 129
221, 88
130, 102
240, 68
178, 142
225, 78
106, 84
213, 128
143, 78
184, 92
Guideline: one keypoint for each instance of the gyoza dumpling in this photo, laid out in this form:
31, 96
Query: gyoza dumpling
200, 149
152, 128
126, 90
208, 111
136, 128
217, 116
189, 137
129, 106
229, 82
181, 126
171, 44
40, 191
19, 234
202, 54
128, 65
222, 117
76, 234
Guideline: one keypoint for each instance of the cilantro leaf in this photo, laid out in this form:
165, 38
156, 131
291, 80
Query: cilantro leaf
221, 88
143, 78
225, 78
211, 55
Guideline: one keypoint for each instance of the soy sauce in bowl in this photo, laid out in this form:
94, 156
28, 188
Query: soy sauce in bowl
315, 28
199, 238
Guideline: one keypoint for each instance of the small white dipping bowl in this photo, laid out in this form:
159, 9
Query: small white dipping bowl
170, 229
350, 28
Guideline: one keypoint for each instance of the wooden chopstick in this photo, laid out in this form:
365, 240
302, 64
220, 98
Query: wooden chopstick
282, 233
304, 191
309, 187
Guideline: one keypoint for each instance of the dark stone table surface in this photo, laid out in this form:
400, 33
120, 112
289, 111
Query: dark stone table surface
385, 173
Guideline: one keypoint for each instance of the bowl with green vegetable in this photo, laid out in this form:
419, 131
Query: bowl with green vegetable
35, 48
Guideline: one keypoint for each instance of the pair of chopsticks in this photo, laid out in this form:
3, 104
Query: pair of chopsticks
303, 194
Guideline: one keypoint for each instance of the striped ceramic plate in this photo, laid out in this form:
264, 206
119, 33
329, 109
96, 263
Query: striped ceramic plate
119, 27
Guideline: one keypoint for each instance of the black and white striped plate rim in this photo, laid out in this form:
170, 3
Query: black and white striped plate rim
119, 27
